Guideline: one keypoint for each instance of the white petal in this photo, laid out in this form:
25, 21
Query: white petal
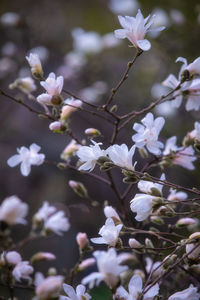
120, 33
14, 160
25, 168
145, 45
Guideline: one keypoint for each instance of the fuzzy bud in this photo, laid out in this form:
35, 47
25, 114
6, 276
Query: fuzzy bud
82, 240
133, 243
78, 188
57, 127
157, 220
92, 132
42, 256
185, 222
86, 264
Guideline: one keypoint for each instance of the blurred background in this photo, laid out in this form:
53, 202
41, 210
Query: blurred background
91, 64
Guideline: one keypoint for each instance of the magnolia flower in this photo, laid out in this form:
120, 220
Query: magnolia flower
187, 294
135, 288
79, 294
185, 158
125, 7
57, 223
142, 205
176, 196
70, 106
109, 233
172, 82
13, 211
135, 29
70, 150
121, 156
171, 146
89, 156
26, 157
192, 93
151, 188
44, 212
147, 134
53, 87
35, 64
193, 68
26, 85
86, 263
109, 269
10, 257
22, 271
47, 288
86, 42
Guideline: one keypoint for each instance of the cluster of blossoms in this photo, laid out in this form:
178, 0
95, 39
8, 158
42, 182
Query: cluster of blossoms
131, 275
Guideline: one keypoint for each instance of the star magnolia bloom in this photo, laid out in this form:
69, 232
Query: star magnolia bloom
53, 87
57, 223
121, 156
147, 134
109, 233
35, 64
26, 85
142, 205
189, 293
11, 257
89, 156
172, 83
176, 196
44, 212
147, 186
193, 68
171, 146
185, 158
135, 29
49, 287
13, 211
79, 294
22, 271
109, 269
26, 158
134, 288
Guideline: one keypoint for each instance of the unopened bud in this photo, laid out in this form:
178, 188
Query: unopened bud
149, 243
113, 108
143, 153
185, 222
78, 188
133, 243
195, 236
70, 150
157, 220
86, 264
82, 240
11, 257
169, 260
57, 127
36, 66
42, 256
92, 132
52, 272
156, 192
69, 108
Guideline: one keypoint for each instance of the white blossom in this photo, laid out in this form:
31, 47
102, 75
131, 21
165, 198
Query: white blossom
108, 267
70, 106
79, 294
187, 294
121, 156
26, 157
22, 271
110, 212
44, 212
86, 42
172, 82
193, 68
176, 196
70, 150
185, 158
135, 288
109, 233
195, 133
89, 156
135, 29
10, 257
13, 211
49, 287
147, 186
147, 134
35, 64
26, 85
193, 95
171, 146
125, 7
57, 223
53, 87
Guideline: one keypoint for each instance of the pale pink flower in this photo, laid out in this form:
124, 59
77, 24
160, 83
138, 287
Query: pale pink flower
82, 240
13, 211
22, 271
47, 288
10, 257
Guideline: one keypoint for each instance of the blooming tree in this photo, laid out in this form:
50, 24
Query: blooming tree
144, 244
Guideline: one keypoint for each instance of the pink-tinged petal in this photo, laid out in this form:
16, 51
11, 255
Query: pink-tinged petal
14, 160
120, 33
69, 291
145, 45
44, 99
25, 168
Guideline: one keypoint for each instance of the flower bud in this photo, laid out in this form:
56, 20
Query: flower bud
185, 222
157, 220
143, 153
57, 127
195, 236
11, 257
133, 243
70, 150
78, 188
156, 192
82, 240
86, 264
149, 243
68, 109
169, 261
49, 288
35, 64
42, 256
52, 272
92, 132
